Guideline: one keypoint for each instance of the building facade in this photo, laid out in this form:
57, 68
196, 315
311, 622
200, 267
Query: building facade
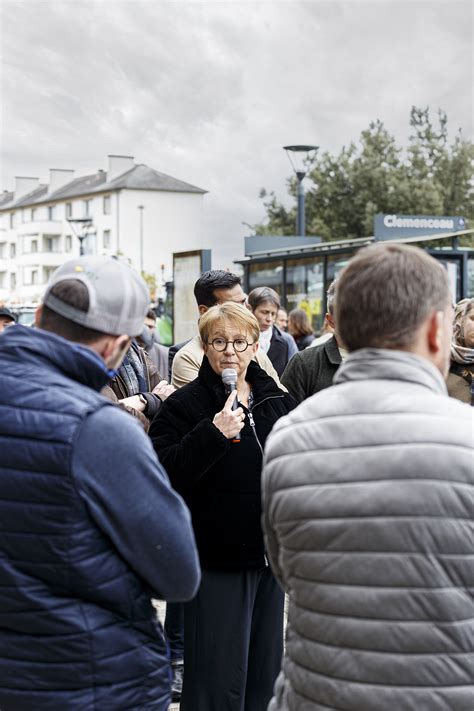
129, 210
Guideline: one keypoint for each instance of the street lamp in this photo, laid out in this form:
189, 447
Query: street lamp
84, 224
141, 208
299, 157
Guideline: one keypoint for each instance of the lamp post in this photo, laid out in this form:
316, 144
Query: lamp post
84, 224
141, 208
298, 157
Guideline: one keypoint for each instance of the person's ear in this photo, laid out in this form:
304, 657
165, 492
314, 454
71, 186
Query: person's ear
434, 331
202, 309
113, 350
38, 314
330, 320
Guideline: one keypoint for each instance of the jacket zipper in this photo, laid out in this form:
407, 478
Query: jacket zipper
252, 425
252, 421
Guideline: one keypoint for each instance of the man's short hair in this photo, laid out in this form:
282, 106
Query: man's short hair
208, 282
73, 292
229, 313
331, 297
261, 294
151, 314
384, 295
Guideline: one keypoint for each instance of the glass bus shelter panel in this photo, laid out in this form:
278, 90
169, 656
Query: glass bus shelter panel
267, 274
305, 288
335, 265
470, 277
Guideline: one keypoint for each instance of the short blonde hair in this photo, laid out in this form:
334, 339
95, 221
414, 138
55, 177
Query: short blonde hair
231, 313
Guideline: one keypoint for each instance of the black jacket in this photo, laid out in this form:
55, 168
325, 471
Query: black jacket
278, 351
312, 370
219, 479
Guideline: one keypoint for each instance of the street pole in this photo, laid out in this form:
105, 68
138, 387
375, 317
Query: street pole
300, 220
300, 158
141, 208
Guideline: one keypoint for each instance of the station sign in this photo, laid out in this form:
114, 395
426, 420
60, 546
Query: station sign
394, 226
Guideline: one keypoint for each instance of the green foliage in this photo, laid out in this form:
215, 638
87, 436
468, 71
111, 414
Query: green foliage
375, 175
151, 282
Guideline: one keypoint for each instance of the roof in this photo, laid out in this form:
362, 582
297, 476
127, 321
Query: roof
345, 245
32, 197
5, 198
140, 177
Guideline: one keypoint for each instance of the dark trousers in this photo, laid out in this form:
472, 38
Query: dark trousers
233, 641
174, 629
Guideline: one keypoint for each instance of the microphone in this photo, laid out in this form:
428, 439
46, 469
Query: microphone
229, 378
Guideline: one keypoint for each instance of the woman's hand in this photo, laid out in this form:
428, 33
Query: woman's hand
229, 421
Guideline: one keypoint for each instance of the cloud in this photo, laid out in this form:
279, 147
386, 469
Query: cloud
209, 92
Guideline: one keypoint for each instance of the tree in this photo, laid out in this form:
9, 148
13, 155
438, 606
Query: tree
376, 175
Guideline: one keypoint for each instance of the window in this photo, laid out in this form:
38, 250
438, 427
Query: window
106, 204
30, 276
305, 288
12, 220
266, 274
23, 215
33, 214
13, 281
68, 209
67, 243
336, 263
470, 276
3, 250
87, 208
47, 273
50, 243
12, 251
3, 279
30, 244
106, 239
51, 211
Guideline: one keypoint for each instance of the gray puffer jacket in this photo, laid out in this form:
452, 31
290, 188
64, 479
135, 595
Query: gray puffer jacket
368, 507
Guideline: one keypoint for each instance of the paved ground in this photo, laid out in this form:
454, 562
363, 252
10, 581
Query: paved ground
161, 607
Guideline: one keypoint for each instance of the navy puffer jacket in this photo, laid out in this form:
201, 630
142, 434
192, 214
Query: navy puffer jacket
89, 529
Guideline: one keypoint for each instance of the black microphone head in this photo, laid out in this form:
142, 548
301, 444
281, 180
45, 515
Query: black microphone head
229, 376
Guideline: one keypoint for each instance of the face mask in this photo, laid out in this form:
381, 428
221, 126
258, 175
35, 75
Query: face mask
147, 336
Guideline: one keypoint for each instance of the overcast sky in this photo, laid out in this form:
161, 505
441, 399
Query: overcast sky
209, 92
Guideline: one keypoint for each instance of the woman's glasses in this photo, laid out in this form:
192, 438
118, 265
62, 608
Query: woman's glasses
220, 344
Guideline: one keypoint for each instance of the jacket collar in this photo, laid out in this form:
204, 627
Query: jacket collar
385, 364
332, 351
75, 361
263, 386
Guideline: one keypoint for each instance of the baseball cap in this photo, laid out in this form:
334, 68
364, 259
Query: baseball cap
7, 313
118, 296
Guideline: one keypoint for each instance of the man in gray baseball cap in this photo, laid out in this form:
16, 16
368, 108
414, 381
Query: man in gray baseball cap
91, 529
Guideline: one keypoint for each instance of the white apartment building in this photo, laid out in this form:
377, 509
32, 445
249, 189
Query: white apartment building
130, 210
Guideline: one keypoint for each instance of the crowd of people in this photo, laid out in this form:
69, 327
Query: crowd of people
253, 460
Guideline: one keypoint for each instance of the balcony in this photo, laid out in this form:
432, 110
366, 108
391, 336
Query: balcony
51, 227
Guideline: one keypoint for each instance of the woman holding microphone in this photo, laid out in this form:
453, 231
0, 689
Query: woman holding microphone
211, 444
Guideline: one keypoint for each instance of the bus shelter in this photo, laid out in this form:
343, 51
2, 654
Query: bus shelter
301, 274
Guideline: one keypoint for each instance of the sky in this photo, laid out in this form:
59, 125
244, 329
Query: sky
209, 92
